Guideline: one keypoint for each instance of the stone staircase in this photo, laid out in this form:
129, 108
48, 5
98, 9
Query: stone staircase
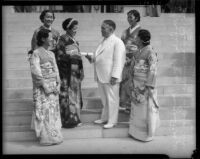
176, 73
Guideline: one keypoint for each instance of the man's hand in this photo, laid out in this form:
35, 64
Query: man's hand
113, 80
128, 61
89, 58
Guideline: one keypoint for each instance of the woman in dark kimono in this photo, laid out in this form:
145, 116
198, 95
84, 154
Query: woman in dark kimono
144, 117
128, 37
71, 73
46, 120
47, 17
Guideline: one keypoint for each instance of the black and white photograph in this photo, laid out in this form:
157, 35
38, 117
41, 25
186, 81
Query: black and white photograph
99, 78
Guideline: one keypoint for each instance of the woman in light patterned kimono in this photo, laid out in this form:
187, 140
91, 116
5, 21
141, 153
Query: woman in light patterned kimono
46, 120
128, 37
144, 117
71, 73
47, 17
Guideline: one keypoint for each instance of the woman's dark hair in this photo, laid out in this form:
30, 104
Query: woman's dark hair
71, 22
43, 33
42, 15
135, 13
145, 36
110, 23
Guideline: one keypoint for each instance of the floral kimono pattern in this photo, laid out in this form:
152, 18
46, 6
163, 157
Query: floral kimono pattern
71, 73
131, 49
46, 120
144, 117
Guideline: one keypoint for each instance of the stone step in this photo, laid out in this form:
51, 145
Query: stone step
168, 16
163, 100
21, 49
174, 46
187, 57
15, 76
170, 70
165, 58
179, 64
96, 131
91, 100
95, 36
168, 99
175, 30
25, 80
20, 86
164, 123
120, 23
20, 118
98, 18
163, 71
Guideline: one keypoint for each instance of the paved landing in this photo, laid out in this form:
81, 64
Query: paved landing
173, 146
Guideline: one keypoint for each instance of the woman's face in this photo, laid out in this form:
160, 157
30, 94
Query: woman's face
138, 41
48, 41
131, 20
73, 30
48, 19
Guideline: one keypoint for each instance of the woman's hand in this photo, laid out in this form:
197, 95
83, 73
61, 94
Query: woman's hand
39, 116
74, 67
47, 90
128, 61
89, 58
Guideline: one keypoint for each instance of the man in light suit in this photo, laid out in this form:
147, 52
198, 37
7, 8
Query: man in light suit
109, 59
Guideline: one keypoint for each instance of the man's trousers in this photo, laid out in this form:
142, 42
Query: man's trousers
110, 100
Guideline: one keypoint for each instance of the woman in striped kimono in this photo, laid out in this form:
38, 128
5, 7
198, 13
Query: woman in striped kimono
128, 37
144, 116
47, 17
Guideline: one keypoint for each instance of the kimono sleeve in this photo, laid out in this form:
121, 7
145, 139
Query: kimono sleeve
60, 47
151, 76
36, 70
56, 68
57, 36
34, 40
123, 36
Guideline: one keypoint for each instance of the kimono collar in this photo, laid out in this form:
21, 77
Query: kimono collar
133, 29
144, 48
72, 38
47, 28
42, 49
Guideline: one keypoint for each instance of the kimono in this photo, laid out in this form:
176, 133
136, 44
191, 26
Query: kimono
144, 117
46, 120
131, 49
55, 37
71, 73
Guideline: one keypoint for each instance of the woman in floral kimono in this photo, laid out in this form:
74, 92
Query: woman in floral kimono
46, 120
128, 37
71, 73
47, 17
144, 116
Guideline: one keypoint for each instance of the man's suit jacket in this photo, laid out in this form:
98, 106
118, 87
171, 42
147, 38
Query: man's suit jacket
109, 59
